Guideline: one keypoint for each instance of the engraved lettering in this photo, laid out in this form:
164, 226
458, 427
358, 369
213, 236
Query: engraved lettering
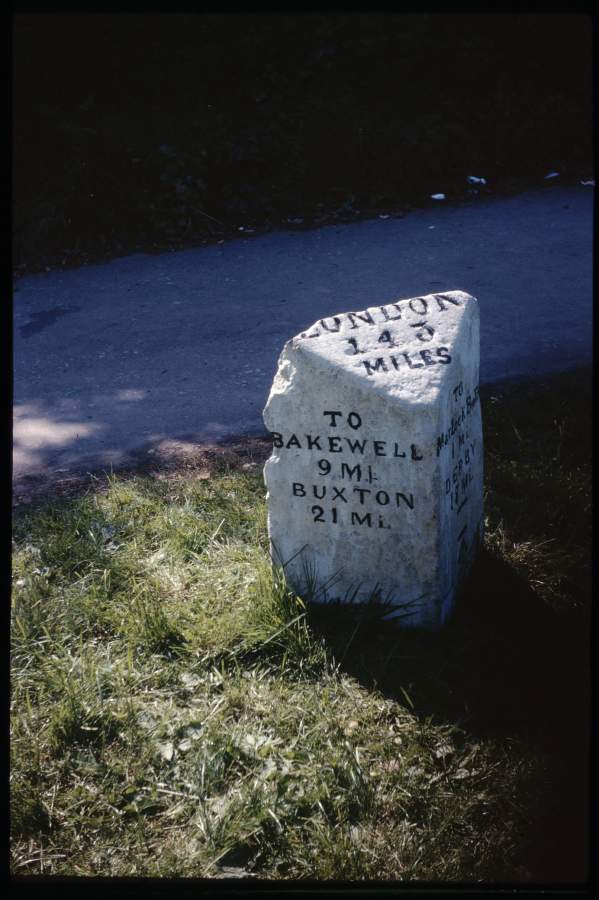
366, 519
354, 344
443, 299
339, 493
385, 338
385, 313
418, 305
426, 356
324, 466
426, 332
356, 445
411, 364
318, 513
363, 316
379, 364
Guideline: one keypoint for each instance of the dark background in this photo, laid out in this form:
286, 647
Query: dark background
150, 131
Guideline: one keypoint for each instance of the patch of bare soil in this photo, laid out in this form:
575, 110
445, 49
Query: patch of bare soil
196, 461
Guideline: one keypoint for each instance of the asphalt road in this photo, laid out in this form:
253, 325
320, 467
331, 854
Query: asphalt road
147, 353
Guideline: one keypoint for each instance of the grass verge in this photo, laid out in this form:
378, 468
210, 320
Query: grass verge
177, 712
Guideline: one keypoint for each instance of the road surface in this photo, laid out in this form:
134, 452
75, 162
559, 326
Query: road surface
145, 352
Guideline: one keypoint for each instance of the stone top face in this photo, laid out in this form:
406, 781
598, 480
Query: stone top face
381, 345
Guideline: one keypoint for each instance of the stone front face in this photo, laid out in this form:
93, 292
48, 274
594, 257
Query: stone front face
375, 483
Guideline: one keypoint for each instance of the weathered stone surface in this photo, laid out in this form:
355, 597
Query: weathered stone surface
375, 483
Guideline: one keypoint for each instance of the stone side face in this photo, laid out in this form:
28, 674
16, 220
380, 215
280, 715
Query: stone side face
375, 483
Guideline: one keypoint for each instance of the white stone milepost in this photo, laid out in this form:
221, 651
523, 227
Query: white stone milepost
375, 483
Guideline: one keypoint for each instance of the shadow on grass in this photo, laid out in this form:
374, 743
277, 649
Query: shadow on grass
506, 668
505, 664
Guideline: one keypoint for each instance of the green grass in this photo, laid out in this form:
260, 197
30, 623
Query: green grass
176, 711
